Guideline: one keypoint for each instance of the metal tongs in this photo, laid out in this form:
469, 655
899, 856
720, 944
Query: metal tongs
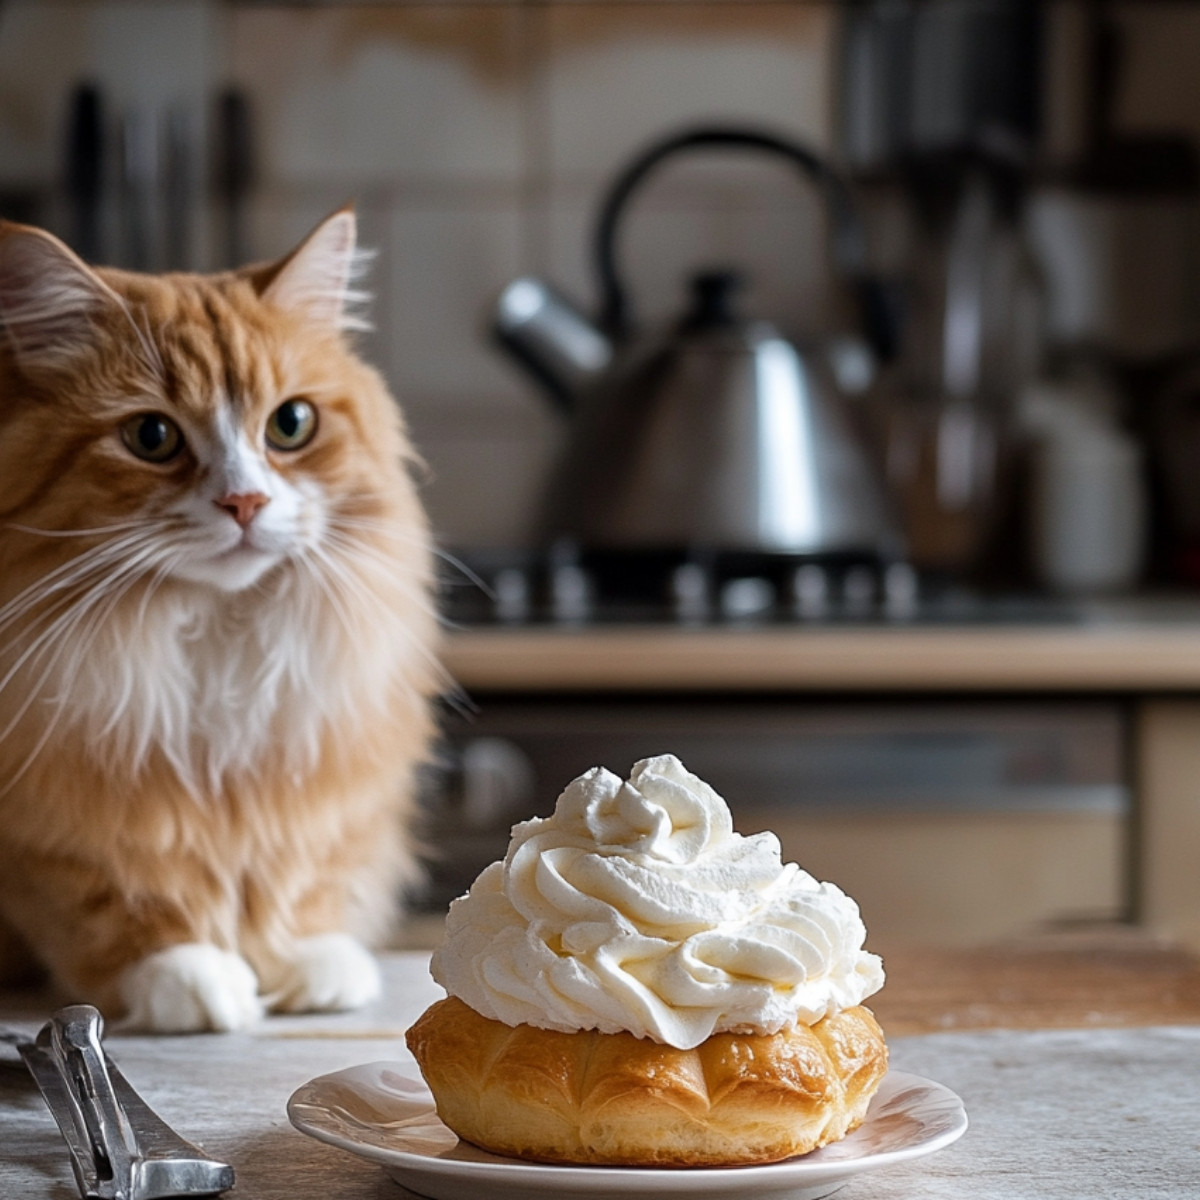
120, 1148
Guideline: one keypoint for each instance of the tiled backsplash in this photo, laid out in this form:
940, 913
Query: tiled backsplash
476, 139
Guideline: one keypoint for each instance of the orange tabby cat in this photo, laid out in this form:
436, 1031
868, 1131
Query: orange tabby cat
215, 635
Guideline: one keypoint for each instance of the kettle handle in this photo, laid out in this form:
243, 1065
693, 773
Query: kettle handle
849, 237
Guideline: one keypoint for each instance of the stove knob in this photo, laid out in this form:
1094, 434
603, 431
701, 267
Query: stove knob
745, 598
858, 590
510, 589
691, 593
810, 592
901, 590
498, 780
570, 593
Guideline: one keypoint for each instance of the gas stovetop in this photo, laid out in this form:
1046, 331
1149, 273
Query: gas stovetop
522, 589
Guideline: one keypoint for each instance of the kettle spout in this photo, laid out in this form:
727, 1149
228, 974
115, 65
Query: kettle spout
551, 339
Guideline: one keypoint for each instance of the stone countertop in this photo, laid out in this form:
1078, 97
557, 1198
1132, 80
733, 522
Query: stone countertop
1101, 1105
1057, 1115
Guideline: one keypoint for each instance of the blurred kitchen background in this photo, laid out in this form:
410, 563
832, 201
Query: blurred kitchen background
1021, 389
1039, 156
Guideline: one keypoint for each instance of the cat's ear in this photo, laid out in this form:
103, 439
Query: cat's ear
316, 279
49, 296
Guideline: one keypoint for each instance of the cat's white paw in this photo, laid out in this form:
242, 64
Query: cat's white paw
191, 988
327, 973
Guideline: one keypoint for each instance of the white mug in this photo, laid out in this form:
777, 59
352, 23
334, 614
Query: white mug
1089, 511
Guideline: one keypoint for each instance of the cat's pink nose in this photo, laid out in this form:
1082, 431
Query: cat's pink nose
243, 506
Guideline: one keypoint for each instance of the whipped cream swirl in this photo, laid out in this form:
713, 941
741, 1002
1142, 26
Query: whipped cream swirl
636, 907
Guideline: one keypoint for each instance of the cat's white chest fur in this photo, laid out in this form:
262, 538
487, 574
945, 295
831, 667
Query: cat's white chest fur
213, 682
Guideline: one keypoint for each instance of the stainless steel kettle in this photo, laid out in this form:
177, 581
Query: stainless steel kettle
716, 434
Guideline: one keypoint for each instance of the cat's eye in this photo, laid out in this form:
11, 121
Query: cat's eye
292, 425
152, 437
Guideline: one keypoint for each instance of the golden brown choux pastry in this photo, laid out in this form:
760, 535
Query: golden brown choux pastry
615, 1099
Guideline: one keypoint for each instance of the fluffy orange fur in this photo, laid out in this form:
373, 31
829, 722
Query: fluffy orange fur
204, 742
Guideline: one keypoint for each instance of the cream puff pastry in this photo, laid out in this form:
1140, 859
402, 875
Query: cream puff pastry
637, 984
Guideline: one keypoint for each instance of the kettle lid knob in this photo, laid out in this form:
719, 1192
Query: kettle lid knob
712, 299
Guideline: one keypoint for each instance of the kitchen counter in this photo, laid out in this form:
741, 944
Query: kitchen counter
1139, 646
1144, 651
1078, 1061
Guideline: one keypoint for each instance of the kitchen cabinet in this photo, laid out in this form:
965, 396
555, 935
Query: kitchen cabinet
1142, 655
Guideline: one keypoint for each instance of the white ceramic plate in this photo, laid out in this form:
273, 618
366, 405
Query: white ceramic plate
378, 1113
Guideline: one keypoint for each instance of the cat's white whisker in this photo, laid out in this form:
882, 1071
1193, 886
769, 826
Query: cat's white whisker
65, 576
362, 555
330, 583
385, 527
362, 521
73, 574
391, 530
418, 595
340, 559
125, 696
143, 523
160, 576
65, 593
471, 576
365, 555
330, 597
349, 583
41, 627
72, 648
84, 611
55, 635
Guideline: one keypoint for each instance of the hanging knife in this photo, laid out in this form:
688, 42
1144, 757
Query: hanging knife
84, 169
234, 171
